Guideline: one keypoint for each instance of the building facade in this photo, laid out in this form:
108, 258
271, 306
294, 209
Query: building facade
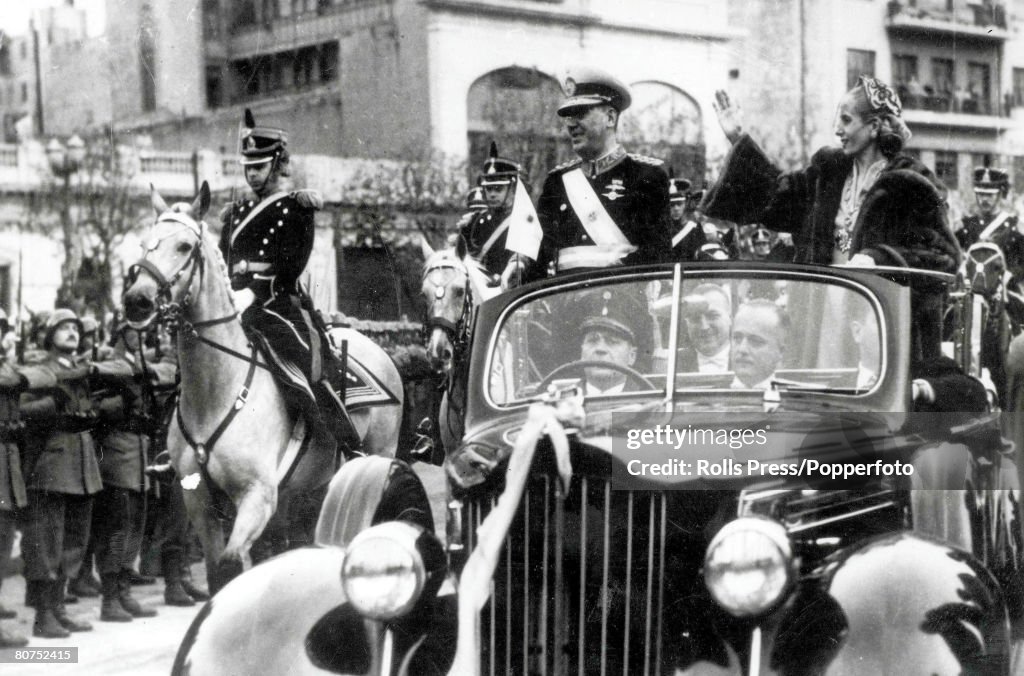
957, 65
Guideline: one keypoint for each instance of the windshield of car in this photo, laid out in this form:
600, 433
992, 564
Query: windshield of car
735, 332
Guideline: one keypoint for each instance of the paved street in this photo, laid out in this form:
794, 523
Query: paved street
142, 647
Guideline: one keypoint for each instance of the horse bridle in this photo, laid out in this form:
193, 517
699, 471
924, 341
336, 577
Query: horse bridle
168, 311
457, 331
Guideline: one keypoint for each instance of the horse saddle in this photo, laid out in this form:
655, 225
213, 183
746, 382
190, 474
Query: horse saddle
351, 382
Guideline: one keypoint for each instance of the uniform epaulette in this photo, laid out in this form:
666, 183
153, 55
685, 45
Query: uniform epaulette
644, 159
567, 165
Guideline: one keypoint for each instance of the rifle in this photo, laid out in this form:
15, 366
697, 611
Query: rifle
19, 348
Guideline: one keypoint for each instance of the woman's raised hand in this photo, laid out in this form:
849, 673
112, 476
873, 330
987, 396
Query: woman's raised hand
728, 115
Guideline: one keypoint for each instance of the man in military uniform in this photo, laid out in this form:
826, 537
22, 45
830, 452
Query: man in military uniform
687, 233
607, 207
267, 239
61, 475
486, 232
125, 402
992, 223
13, 496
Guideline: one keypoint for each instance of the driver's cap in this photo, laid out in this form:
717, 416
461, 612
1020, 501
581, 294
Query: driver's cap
615, 312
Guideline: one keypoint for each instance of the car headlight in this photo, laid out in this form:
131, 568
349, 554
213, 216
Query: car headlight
748, 567
383, 572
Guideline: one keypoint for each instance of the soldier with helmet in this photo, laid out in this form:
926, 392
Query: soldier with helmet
126, 405
61, 474
267, 239
13, 495
608, 207
992, 223
687, 234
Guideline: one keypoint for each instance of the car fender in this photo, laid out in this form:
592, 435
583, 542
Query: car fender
916, 605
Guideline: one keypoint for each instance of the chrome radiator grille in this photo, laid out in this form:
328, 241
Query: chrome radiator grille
581, 583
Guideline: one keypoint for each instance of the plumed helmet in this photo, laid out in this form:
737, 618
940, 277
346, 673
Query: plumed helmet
475, 200
678, 188
58, 317
991, 180
261, 144
498, 170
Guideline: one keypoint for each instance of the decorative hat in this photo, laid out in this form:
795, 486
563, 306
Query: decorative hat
761, 236
881, 96
586, 87
475, 200
678, 188
990, 180
616, 312
260, 144
497, 170
60, 316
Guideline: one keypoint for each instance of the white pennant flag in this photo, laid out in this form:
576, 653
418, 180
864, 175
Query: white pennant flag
524, 232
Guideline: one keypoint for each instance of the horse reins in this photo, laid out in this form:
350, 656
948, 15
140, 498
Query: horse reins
456, 331
172, 313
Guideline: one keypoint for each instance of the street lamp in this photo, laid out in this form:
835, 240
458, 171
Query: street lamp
65, 160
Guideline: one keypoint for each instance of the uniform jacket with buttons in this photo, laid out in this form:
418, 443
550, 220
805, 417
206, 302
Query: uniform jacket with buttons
268, 252
12, 481
126, 404
57, 456
633, 189
1007, 237
479, 230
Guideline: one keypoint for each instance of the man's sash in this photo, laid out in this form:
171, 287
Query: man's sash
498, 232
610, 245
592, 214
996, 223
686, 230
252, 214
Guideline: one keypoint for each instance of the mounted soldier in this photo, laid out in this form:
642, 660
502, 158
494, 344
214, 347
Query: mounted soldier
687, 233
487, 230
267, 239
992, 223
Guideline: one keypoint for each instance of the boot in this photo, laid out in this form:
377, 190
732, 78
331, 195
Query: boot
194, 591
139, 579
60, 612
112, 610
84, 586
12, 640
336, 419
38, 594
124, 587
174, 592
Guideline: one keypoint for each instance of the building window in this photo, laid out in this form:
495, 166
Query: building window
214, 87
979, 87
211, 19
329, 62
904, 76
1018, 86
946, 169
858, 62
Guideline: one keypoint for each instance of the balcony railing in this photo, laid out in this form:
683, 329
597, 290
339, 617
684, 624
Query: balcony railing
984, 20
946, 102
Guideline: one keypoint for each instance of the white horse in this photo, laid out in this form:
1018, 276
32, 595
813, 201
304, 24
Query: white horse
232, 435
453, 284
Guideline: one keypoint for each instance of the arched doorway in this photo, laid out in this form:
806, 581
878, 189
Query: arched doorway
516, 107
665, 123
